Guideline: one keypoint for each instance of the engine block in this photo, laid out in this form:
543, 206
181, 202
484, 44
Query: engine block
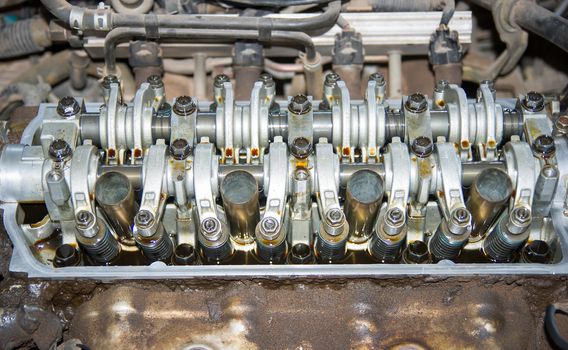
297, 187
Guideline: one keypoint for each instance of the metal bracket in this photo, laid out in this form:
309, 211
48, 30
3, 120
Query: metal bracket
448, 185
523, 168
262, 97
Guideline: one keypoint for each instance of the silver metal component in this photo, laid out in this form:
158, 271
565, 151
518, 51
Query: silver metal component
115, 195
213, 234
57, 186
272, 230
334, 229
488, 196
508, 236
239, 192
363, 199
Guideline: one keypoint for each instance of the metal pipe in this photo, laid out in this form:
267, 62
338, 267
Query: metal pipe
488, 196
239, 191
222, 35
200, 76
395, 74
115, 195
62, 10
536, 19
364, 194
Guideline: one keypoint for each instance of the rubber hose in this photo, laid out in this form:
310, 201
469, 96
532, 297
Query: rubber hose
23, 38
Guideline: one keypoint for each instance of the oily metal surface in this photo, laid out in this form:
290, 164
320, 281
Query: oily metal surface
258, 315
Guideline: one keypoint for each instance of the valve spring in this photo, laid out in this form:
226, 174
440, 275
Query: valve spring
441, 248
499, 247
330, 251
385, 250
157, 249
104, 250
271, 253
218, 253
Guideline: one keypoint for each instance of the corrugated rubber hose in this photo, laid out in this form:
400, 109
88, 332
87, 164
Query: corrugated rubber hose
24, 37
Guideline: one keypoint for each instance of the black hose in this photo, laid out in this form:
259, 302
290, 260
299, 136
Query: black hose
323, 22
23, 38
538, 20
287, 38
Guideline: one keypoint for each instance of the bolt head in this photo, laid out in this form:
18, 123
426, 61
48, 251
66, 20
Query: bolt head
210, 227
422, 146
300, 104
544, 145
441, 85
184, 105
334, 217
461, 216
144, 219
66, 255
269, 226
266, 79
394, 217
534, 101
301, 147
68, 107
562, 123
220, 80
155, 81
180, 149
521, 215
416, 103
331, 79
377, 77
84, 219
109, 79
59, 150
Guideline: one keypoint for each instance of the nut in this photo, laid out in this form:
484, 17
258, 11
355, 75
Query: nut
331, 79
394, 217
144, 219
266, 79
378, 77
211, 229
155, 81
562, 123
180, 149
269, 226
184, 106
68, 107
544, 146
441, 85
220, 80
461, 217
59, 150
109, 79
521, 215
84, 219
533, 101
422, 146
334, 217
416, 103
301, 147
300, 104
